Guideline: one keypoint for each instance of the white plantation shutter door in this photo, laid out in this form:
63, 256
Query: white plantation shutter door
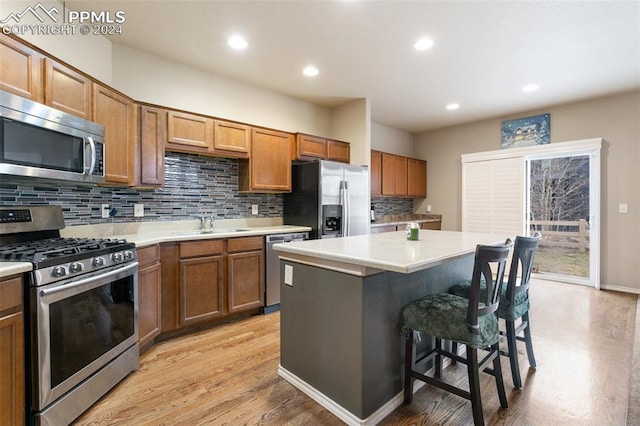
493, 196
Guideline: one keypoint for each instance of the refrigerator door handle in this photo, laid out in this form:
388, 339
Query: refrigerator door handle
344, 201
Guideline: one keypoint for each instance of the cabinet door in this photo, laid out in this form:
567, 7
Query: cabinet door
245, 281
231, 139
12, 411
270, 164
189, 132
431, 225
153, 135
310, 147
338, 151
416, 178
67, 90
201, 289
149, 303
20, 69
117, 114
388, 174
376, 173
401, 176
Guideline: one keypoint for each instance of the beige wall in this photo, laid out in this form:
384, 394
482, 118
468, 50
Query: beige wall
156, 80
389, 139
352, 123
614, 118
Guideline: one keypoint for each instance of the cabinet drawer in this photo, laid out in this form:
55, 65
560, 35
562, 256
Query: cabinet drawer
431, 225
10, 293
244, 244
148, 255
201, 248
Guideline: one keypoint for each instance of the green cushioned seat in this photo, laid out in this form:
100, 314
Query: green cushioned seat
469, 321
506, 310
444, 315
514, 302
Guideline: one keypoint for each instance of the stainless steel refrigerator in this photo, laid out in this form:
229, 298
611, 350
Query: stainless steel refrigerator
330, 197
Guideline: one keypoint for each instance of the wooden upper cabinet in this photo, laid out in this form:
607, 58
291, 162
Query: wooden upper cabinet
310, 147
401, 176
338, 151
189, 132
416, 178
152, 136
269, 169
388, 174
117, 114
20, 69
376, 173
231, 139
67, 90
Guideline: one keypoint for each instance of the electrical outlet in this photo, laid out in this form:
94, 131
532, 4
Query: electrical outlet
428, 208
623, 208
254, 209
138, 210
104, 208
288, 275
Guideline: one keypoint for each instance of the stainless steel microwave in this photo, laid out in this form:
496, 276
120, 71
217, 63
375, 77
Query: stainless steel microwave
39, 141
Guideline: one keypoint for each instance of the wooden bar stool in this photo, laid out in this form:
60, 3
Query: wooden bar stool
469, 321
514, 303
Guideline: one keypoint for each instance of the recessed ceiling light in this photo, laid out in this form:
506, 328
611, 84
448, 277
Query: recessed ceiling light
237, 42
423, 43
451, 107
310, 71
530, 88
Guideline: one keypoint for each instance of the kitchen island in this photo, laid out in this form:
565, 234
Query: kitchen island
341, 302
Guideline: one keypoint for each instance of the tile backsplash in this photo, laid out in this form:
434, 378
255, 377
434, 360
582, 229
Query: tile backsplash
194, 185
392, 205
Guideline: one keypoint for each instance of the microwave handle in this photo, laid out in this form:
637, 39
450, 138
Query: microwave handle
92, 146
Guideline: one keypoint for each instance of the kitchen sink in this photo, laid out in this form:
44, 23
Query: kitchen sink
213, 231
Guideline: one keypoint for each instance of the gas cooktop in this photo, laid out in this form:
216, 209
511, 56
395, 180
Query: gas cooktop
53, 251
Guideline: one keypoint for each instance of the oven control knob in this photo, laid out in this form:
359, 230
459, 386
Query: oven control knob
98, 261
75, 267
128, 255
58, 271
117, 257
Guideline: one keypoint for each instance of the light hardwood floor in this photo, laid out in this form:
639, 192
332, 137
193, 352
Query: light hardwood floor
583, 341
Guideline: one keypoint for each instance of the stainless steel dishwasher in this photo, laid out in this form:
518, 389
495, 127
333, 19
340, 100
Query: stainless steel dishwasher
272, 268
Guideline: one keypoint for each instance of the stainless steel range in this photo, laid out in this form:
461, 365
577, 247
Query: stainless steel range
82, 312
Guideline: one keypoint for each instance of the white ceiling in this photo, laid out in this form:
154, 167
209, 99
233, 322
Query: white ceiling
484, 52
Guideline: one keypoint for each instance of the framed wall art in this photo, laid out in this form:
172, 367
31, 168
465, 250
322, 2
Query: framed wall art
526, 131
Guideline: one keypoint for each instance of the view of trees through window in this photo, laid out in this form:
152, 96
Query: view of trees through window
559, 209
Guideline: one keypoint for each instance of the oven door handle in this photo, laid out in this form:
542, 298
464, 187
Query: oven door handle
91, 281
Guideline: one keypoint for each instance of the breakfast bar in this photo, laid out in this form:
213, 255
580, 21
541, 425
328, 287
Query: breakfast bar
341, 302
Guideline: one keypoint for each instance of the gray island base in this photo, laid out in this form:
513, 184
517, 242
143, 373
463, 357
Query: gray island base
341, 303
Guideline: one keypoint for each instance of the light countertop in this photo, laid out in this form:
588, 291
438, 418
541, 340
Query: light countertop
389, 251
146, 234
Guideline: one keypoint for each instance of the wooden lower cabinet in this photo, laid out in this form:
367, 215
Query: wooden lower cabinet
201, 281
12, 410
149, 294
245, 273
437, 226
207, 279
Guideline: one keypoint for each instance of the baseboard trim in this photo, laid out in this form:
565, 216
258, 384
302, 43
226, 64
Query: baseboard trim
620, 289
341, 412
